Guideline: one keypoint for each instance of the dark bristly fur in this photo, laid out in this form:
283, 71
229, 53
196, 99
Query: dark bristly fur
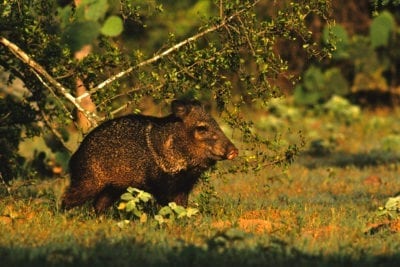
163, 156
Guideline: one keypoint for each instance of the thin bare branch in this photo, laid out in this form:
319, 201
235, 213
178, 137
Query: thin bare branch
55, 132
53, 93
247, 36
128, 103
121, 108
41, 72
221, 9
3, 182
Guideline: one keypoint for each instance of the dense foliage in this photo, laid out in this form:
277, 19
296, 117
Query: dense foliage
222, 52
364, 65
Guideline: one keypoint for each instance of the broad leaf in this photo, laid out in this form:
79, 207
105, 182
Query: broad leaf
191, 211
81, 33
381, 28
95, 10
127, 196
113, 26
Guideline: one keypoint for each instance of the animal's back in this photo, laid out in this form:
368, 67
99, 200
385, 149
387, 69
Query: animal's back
112, 150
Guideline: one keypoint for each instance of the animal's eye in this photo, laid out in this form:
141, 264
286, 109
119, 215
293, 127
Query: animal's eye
202, 128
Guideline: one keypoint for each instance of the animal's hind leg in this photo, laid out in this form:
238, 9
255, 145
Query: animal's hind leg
78, 193
106, 198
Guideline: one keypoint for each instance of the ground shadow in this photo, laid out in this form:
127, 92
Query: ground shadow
216, 252
344, 159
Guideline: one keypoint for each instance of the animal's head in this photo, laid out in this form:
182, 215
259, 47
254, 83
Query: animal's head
204, 134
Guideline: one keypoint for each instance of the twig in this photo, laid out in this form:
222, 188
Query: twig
128, 103
3, 182
247, 37
53, 93
41, 72
55, 132
221, 9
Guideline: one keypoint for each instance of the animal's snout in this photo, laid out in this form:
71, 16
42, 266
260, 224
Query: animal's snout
233, 152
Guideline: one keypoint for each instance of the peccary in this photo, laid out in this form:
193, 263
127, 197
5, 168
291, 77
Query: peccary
163, 156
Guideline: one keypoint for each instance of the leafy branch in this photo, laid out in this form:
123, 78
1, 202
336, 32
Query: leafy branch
41, 73
93, 118
168, 51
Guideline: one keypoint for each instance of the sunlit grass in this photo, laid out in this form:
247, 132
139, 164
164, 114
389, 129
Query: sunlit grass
320, 211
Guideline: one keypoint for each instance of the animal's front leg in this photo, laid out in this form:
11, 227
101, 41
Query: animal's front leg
181, 199
106, 198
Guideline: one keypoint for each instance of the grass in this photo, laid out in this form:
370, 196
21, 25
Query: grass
319, 211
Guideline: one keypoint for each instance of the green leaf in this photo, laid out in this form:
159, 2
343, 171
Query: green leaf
112, 27
81, 33
95, 9
381, 28
338, 33
131, 206
338, 37
179, 210
65, 15
191, 211
313, 79
137, 213
127, 196
303, 97
144, 196
164, 211
335, 82
393, 204
121, 206
172, 205
131, 189
160, 219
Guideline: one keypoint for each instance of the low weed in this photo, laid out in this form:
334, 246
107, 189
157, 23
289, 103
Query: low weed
139, 203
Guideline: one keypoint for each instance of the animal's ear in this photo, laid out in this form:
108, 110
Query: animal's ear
181, 108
